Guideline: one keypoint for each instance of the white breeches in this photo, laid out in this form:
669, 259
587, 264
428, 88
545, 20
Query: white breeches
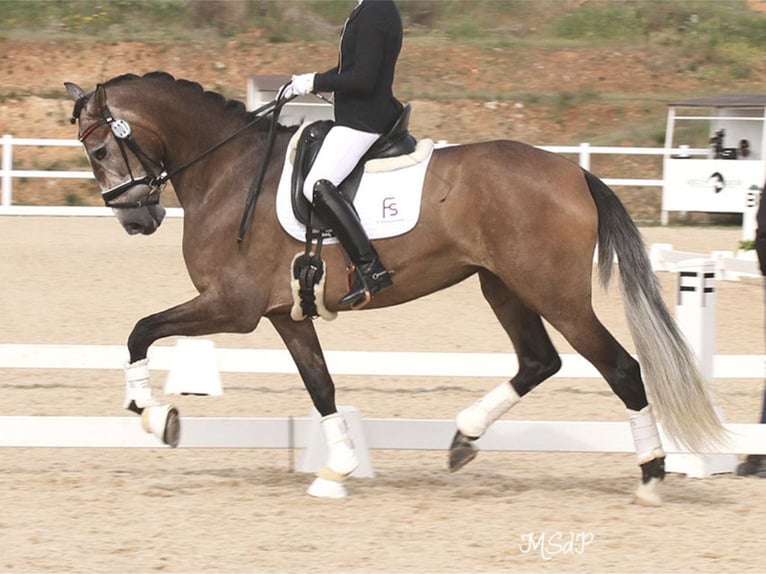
341, 150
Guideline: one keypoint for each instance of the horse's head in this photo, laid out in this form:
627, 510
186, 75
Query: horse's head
129, 173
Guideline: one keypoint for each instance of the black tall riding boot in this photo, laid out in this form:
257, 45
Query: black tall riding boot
371, 276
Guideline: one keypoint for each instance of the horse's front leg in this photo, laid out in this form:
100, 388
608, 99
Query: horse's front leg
202, 315
302, 342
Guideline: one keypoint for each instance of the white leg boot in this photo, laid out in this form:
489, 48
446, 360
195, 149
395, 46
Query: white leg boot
341, 459
160, 420
137, 388
646, 437
474, 420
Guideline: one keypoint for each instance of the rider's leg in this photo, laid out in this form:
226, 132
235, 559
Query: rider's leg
372, 276
341, 151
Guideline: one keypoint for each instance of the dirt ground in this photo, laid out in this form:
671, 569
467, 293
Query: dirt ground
83, 281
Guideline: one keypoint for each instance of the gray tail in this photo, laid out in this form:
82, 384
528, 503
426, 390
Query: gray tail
680, 395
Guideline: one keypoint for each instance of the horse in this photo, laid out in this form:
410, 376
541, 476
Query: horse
526, 221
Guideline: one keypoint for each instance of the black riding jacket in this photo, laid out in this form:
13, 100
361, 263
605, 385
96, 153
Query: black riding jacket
363, 79
760, 232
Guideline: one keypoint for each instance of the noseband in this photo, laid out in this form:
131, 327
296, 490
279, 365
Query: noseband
123, 133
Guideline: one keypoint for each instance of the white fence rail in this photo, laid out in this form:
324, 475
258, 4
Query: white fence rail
728, 265
7, 173
383, 434
369, 434
584, 152
364, 363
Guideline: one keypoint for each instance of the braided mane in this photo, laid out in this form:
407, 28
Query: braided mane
234, 107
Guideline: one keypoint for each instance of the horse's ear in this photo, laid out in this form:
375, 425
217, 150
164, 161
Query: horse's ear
99, 99
75, 92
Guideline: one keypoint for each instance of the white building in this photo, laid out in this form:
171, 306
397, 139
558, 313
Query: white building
722, 168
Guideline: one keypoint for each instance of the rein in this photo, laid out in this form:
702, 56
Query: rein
274, 106
123, 133
255, 188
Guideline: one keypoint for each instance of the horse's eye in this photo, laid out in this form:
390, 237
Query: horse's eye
100, 153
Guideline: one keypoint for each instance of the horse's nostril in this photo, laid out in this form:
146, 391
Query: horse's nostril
133, 228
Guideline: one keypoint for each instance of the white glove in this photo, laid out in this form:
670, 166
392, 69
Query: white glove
302, 84
286, 91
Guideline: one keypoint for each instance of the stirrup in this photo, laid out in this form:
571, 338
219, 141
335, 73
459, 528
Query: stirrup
363, 303
353, 276
364, 285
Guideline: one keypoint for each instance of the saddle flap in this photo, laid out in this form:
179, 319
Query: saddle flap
309, 143
389, 200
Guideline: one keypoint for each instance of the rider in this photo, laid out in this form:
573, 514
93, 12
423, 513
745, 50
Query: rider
365, 108
755, 464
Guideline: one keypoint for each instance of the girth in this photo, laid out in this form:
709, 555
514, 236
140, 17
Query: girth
397, 141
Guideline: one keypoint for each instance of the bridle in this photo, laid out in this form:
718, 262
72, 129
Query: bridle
123, 133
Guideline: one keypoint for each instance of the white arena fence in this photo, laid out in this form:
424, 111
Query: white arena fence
583, 151
303, 433
360, 363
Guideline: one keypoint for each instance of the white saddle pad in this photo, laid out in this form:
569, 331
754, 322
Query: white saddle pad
388, 200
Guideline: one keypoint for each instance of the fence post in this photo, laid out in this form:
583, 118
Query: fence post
695, 315
585, 156
5, 169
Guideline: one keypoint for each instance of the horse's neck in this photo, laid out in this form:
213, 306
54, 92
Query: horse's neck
191, 153
189, 137
228, 171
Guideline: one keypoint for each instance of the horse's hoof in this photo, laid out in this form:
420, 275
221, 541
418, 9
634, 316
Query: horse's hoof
172, 433
461, 452
325, 488
754, 465
163, 422
647, 495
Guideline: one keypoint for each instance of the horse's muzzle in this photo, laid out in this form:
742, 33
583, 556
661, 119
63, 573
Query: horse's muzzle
141, 220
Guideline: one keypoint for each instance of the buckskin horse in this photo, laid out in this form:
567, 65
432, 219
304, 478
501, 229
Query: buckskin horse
525, 220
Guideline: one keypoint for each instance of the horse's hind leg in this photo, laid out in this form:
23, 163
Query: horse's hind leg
537, 358
302, 342
623, 374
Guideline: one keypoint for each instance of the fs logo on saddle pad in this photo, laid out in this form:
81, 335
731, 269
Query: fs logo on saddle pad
388, 200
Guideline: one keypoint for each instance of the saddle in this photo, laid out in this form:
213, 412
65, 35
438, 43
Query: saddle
308, 269
397, 141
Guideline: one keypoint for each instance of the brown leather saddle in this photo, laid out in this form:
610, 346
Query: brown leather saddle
398, 141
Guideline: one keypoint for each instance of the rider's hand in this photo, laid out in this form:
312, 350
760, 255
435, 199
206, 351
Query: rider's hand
302, 84
286, 91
